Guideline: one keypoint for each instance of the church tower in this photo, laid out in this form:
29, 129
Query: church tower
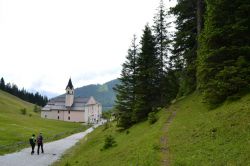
69, 97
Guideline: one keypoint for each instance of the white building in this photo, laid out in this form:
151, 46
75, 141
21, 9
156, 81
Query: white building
73, 109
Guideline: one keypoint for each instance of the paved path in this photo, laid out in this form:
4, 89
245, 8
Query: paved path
53, 151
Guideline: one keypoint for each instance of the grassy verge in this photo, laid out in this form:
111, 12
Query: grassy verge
139, 145
17, 128
198, 136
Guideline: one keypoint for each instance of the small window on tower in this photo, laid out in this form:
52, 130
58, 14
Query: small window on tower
57, 117
69, 118
68, 92
58, 111
69, 111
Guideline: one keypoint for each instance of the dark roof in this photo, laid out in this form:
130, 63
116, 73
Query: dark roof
70, 85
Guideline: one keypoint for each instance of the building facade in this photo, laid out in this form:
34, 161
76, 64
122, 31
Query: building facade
73, 109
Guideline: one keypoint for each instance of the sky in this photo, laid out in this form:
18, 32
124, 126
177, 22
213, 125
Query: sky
45, 42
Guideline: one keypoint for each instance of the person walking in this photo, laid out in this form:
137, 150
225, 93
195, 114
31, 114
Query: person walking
40, 143
32, 143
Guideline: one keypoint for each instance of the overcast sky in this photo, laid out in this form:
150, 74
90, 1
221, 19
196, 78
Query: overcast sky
45, 42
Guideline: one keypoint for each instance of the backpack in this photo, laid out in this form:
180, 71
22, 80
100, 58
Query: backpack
32, 141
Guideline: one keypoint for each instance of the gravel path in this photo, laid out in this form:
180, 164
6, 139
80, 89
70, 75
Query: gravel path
52, 152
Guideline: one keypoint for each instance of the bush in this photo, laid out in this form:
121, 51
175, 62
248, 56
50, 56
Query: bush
152, 117
23, 111
109, 142
36, 109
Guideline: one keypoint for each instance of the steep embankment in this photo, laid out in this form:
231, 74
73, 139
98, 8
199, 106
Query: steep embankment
16, 127
186, 134
139, 145
199, 136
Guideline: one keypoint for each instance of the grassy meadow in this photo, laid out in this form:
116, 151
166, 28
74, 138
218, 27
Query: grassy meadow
199, 136
195, 136
139, 145
16, 128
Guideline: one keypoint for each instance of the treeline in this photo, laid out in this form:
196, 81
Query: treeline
209, 52
34, 98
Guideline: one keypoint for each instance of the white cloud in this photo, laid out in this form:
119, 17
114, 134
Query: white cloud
43, 43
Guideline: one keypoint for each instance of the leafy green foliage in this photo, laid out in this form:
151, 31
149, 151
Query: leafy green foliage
109, 142
23, 111
152, 117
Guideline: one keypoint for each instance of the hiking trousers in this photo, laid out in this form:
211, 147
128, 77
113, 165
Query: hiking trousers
38, 147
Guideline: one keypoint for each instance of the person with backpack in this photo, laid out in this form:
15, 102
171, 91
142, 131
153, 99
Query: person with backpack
32, 143
40, 143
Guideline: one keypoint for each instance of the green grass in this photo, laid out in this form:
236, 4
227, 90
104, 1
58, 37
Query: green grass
16, 128
198, 136
139, 145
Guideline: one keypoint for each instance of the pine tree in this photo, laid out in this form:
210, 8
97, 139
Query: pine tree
125, 98
162, 43
224, 61
184, 54
2, 84
147, 77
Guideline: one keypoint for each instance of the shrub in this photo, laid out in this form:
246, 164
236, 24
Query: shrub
23, 111
109, 142
152, 117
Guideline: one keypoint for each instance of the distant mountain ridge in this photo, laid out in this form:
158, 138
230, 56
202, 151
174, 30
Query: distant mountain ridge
103, 93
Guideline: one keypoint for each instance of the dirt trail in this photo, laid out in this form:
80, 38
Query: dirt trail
164, 139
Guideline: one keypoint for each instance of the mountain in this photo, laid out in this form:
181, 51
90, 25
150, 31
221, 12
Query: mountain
102, 93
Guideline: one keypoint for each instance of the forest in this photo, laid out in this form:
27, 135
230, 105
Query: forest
209, 53
23, 94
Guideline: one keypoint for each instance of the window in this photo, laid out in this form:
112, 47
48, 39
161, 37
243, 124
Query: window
58, 111
69, 118
57, 117
69, 111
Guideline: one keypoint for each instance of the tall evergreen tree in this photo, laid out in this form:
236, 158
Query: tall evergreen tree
224, 61
162, 43
147, 77
184, 50
2, 84
125, 98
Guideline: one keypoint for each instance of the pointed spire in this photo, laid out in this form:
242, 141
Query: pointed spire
70, 85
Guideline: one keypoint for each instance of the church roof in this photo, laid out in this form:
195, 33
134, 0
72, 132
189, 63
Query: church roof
58, 103
70, 85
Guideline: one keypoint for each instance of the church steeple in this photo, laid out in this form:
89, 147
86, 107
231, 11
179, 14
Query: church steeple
69, 98
70, 85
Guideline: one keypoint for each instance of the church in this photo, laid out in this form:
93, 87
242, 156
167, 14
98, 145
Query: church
73, 109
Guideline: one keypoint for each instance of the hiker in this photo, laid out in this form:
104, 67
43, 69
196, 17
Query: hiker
40, 143
32, 143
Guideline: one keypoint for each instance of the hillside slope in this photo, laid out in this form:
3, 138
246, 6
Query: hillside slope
102, 93
16, 128
195, 136
198, 136
139, 145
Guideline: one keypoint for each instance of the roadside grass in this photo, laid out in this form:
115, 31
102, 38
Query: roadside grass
199, 136
16, 128
139, 145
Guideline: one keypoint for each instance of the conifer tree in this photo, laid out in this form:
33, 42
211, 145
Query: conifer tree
224, 61
162, 42
184, 54
147, 77
125, 98
2, 84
